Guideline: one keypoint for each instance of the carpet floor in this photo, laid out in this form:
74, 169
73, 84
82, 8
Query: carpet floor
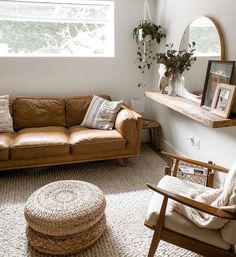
127, 200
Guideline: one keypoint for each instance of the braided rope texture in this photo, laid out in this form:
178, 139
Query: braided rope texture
65, 207
65, 217
63, 245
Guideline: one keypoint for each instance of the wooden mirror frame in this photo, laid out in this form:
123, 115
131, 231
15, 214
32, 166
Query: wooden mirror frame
222, 46
222, 49
220, 33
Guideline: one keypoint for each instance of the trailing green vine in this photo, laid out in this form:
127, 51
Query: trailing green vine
147, 35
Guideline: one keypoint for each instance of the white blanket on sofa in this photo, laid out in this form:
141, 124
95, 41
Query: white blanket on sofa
223, 198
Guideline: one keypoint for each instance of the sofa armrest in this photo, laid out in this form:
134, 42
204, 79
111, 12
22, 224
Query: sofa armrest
129, 124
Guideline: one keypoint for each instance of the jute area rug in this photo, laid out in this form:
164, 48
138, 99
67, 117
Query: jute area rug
127, 200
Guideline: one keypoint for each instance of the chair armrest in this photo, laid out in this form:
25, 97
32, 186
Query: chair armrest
195, 162
195, 204
129, 124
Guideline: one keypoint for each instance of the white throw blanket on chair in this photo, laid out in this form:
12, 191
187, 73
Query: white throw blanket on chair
223, 198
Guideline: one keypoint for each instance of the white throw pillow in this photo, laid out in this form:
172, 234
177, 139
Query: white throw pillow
4, 97
101, 113
6, 122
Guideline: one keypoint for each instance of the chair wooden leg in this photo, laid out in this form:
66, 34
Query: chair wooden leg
121, 162
150, 136
156, 138
154, 245
157, 233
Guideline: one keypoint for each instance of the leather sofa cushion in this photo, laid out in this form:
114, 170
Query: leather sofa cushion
5, 142
177, 222
76, 108
40, 142
86, 141
38, 112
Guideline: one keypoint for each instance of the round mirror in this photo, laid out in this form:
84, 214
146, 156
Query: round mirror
207, 35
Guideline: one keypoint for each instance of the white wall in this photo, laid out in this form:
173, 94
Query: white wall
117, 76
218, 145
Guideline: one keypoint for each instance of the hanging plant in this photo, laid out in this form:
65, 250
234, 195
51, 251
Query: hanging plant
148, 31
147, 34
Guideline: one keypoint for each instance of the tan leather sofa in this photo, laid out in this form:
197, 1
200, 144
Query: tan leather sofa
47, 132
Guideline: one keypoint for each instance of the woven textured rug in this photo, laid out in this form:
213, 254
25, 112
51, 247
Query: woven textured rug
127, 199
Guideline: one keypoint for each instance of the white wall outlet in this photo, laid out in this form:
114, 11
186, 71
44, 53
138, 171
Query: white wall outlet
194, 142
197, 143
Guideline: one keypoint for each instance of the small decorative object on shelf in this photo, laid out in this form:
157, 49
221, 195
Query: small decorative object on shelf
176, 62
163, 81
163, 84
147, 34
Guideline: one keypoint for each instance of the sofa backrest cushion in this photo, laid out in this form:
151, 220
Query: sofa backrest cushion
76, 108
38, 112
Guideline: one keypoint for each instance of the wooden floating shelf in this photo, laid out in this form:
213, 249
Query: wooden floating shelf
191, 109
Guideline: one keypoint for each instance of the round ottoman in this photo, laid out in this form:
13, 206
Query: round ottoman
65, 217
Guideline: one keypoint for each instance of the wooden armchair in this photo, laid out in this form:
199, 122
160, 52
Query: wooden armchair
174, 228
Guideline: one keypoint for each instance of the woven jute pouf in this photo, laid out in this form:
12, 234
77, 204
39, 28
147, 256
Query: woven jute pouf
65, 217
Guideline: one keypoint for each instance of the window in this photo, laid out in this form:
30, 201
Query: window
53, 28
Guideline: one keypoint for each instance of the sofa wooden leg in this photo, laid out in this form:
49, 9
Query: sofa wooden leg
121, 161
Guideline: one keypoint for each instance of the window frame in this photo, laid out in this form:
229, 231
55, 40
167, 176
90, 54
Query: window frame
107, 54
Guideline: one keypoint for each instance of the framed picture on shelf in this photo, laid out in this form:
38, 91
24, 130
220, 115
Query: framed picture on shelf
223, 100
217, 72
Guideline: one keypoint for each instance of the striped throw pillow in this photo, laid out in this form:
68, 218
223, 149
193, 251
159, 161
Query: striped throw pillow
101, 113
6, 122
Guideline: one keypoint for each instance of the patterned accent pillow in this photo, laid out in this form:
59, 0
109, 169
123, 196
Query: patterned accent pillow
101, 113
6, 122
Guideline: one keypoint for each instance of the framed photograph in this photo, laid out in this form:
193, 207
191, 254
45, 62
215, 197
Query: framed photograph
223, 100
217, 72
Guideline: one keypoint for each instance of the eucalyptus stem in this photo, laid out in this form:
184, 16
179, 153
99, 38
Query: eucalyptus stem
177, 61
